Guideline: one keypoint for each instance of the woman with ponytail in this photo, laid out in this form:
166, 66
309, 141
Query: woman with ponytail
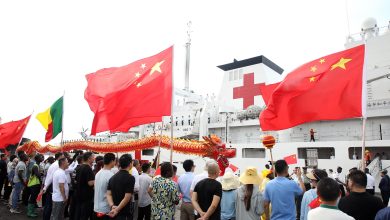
249, 202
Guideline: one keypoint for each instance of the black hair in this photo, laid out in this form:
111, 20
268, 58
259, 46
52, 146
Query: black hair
125, 161
358, 177
267, 166
328, 189
187, 165
319, 174
145, 167
79, 159
366, 170
166, 170
58, 155
2, 155
108, 158
38, 158
23, 157
99, 158
174, 167
50, 159
12, 157
86, 156
281, 166
61, 161
135, 162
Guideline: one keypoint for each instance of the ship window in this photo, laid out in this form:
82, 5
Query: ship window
322, 152
235, 74
355, 153
231, 76
148, 152
241, 73
253, 153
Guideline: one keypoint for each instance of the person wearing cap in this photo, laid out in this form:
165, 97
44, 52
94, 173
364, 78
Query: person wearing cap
249, 200
230, 183
314, 177
328, 191
384, 186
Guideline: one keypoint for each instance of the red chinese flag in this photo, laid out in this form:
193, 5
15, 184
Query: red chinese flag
267, 90
292, 159
329, 88
12, 132
233, 167
131, 95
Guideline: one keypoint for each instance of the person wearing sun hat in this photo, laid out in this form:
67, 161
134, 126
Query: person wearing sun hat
314, 177
230, 183
249, 200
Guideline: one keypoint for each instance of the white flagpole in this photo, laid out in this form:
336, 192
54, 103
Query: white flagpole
173, 94
363, 144
364, 106
62, 122
159, 144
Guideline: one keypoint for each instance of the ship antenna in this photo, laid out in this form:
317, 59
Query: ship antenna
188, 47
347, 14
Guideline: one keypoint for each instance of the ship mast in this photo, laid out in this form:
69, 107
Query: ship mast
188, 47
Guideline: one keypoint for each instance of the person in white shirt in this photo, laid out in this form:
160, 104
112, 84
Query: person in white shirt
340, 179
60, 190
101, 207
144, 199
135, 172
47, 187
328, 190
370, 188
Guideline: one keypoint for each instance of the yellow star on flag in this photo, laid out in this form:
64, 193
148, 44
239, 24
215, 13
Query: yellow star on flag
322, 60
341, 63
143, 66
312, 79
139, 85
137, 75
313, 69
156, 67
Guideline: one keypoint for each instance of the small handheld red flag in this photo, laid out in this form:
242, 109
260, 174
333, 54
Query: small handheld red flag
292, 159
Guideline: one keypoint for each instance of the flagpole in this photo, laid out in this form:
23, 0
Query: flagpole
159, 144
62, 122
173, 93
364, 107
363, 144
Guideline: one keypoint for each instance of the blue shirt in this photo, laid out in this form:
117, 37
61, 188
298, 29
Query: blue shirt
228, 205
281, 193
184, 183
308, 197
383, 214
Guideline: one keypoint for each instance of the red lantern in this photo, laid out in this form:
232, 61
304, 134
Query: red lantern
268, 141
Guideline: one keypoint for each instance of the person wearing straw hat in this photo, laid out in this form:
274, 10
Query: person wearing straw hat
230, 183
250, 203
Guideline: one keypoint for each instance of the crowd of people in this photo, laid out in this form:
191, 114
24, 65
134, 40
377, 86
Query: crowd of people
106, 187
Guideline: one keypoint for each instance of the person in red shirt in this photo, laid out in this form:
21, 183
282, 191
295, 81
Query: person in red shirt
367, 157
312, 135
